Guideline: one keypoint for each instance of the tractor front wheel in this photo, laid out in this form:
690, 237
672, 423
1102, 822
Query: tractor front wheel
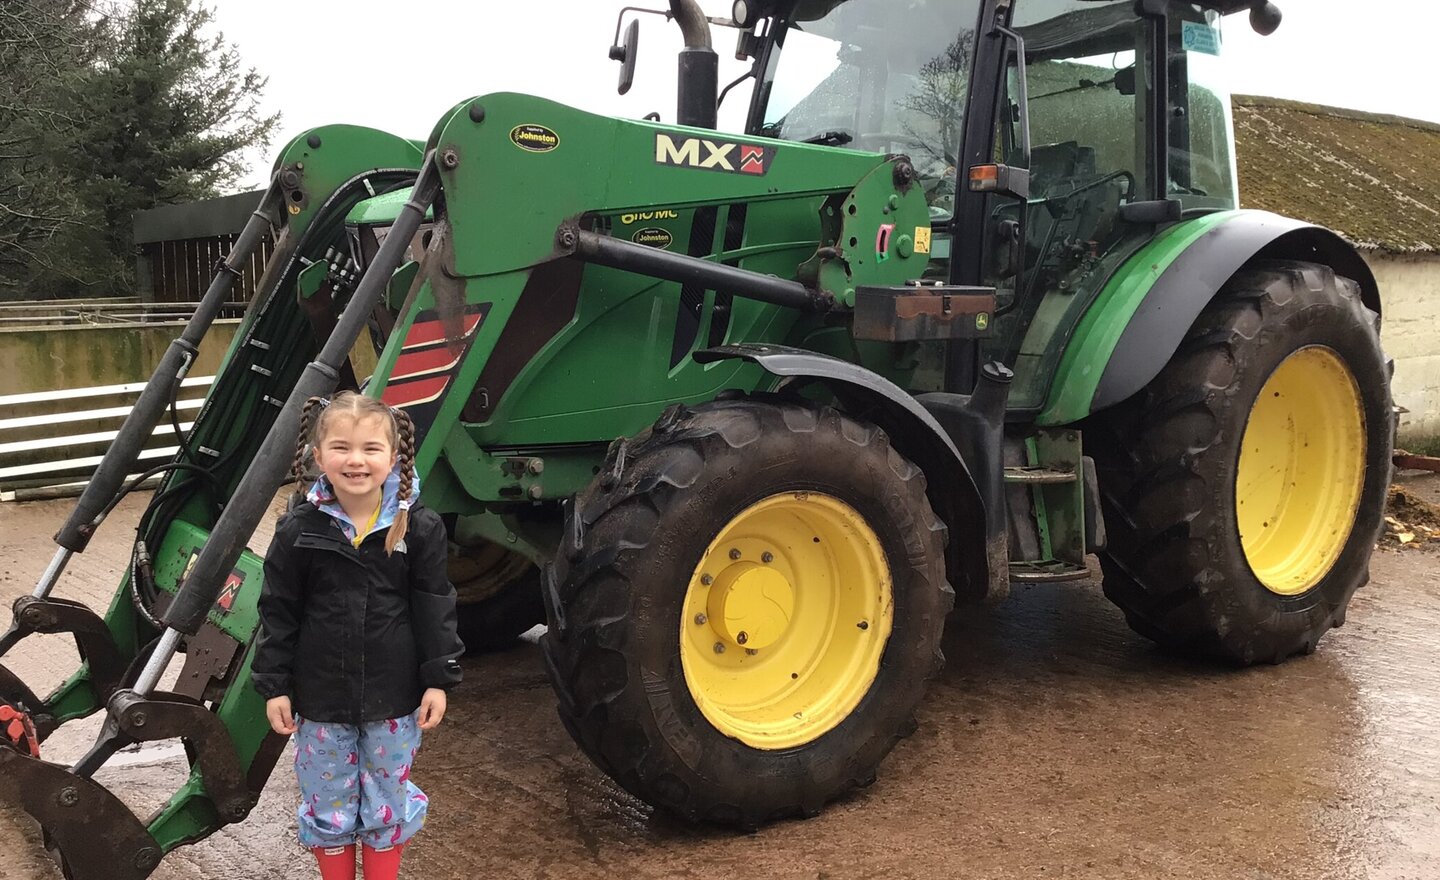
745, 609
1244, 487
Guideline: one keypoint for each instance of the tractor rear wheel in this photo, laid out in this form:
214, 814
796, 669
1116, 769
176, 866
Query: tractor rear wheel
1244, 487
497, 593
745, 609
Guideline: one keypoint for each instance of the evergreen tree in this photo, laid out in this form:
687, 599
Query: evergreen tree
43, 43
155, 112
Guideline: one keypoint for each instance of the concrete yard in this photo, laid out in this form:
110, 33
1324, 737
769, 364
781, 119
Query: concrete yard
1055, 744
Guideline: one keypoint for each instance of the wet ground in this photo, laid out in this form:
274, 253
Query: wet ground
1056, 744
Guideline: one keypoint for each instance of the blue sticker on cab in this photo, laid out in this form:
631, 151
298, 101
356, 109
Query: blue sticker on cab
1198, 37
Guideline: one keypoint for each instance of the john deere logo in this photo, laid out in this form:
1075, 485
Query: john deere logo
982, 320
534, 138
652, 236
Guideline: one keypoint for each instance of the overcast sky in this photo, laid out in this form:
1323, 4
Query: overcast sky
398, 67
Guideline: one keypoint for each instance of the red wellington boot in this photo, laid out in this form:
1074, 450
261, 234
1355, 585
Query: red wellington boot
336, 862
381, 864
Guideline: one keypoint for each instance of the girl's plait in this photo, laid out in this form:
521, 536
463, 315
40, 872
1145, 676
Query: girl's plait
405, 451
307, 436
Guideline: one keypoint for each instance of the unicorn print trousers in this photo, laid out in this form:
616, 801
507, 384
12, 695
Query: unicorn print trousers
355, 783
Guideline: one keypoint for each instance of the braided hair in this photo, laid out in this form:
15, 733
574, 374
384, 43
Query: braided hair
404, 430
305, 446
399, 429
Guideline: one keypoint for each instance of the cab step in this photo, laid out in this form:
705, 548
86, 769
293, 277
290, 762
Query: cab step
1050, 572
1038, 475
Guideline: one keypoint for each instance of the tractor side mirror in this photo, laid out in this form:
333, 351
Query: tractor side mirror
625, 54
747, 46
1125, 81
745, 15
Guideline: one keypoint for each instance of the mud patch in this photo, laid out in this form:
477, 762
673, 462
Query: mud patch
1056, 743
1411, 521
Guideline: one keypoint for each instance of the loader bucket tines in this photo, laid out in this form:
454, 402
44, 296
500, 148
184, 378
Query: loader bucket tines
97, 834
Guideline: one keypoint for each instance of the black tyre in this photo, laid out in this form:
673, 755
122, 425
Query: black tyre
498, 596
745, 609
1243, 488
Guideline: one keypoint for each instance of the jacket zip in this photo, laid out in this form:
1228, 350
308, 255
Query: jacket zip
364, 614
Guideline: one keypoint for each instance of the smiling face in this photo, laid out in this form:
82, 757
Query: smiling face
356, 455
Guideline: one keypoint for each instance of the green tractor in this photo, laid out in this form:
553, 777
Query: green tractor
742, 415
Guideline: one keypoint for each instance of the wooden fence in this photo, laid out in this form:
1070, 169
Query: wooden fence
52, 441
180, 271
42, 314
180, 245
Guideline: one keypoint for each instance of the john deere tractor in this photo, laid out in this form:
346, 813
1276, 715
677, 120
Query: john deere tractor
741, 415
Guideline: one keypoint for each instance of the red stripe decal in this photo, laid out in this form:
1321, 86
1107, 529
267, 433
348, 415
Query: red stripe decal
431, 332
417, 391
428, 360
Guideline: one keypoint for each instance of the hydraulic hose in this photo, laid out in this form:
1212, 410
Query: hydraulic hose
267, 470
221, 410
141, 421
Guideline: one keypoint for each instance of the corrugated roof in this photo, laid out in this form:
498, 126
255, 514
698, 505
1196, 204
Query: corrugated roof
1375, 179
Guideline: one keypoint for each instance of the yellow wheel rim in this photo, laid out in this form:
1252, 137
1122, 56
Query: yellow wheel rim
1302, 465
785, 619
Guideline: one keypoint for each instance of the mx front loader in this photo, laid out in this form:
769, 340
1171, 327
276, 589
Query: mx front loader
740, 416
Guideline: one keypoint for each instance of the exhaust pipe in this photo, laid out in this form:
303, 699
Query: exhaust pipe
699, 70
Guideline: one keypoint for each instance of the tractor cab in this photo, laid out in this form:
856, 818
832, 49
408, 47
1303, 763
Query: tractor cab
1052, 137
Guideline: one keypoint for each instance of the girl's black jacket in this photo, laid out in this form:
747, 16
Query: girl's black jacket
350, 634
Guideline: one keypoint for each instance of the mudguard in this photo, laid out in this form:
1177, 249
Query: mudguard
913, 432
1146, 308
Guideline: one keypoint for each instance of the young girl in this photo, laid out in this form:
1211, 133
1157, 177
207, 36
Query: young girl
357, 641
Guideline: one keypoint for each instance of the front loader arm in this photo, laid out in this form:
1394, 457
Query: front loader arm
582, 259
200, 583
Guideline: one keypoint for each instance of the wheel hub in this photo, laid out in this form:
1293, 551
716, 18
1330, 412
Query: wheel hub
750, 605
785, 619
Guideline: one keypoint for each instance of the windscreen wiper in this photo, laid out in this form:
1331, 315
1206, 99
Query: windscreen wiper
830, 138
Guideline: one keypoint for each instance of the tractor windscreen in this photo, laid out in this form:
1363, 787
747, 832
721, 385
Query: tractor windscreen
1086, 91
878, 75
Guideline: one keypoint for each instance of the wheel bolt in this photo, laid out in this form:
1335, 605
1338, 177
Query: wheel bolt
146, 859
743, 637
767, 557
864, 624
700, 619
706, 579
751, 651
734, 554
719, 648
